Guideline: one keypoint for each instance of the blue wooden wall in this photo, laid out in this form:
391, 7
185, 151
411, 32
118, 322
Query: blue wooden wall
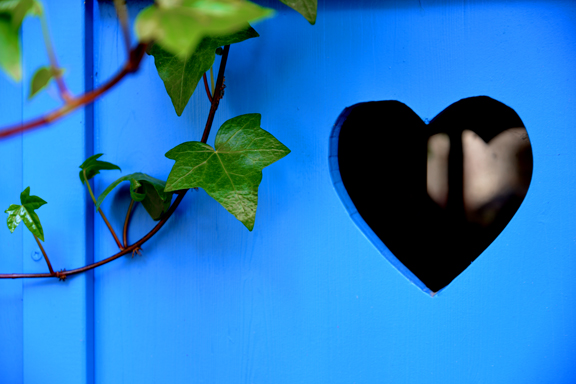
306, 297
46, 332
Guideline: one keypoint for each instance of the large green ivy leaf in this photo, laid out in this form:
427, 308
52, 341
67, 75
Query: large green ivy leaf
306, 8
181, 76
178, 26
93, 166
12, 12
148, 190
25, 212
232, 172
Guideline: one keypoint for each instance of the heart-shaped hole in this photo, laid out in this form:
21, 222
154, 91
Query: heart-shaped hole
438, 194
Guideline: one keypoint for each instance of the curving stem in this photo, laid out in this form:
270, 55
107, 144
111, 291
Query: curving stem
56, 70
126, 222
132, 248
122, 13
44, 253
218, 92
207, 88
74, 103
102, 213
61, 275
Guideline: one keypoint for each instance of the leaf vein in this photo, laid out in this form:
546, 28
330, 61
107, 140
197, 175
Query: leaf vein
192, 170
231, 182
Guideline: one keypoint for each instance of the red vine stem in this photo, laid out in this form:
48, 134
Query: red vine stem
212, 79
126, 222
56, 70
44, 253
122, 13
180, 195
218, 92
207, 87
74, 103
125, 251
102, 212
125, 231
118, 243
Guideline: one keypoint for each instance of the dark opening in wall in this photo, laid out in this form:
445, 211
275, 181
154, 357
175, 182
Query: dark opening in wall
436, 194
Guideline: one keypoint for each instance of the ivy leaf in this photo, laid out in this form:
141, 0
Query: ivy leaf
25, 212
93, 166
148, 190
23, 8
9, 48
232, 172
19, 9
41, 79
181, 76
306, 8
12, 12
178, 26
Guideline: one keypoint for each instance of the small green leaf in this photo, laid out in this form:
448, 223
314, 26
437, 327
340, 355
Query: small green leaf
148, 190
232, 172
306, 8
25, 212
40, 80
93, 166
178, 26
181, 76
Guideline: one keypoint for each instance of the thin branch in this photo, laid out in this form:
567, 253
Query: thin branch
89, 187
118, 243
102, 213
207, 88
129, 67
212, 79
56, 70
218, 93
125, 251
44, 253
126, 222
122, 13
125, 231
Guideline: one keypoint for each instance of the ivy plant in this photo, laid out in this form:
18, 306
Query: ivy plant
181, 75
231, 172
183, 38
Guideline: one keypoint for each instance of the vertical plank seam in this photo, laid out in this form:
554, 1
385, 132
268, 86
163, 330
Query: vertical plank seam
22, 93
89, 211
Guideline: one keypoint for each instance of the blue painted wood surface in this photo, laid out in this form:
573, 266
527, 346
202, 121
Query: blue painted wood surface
11, 245
58, 316
47, 336
306, 297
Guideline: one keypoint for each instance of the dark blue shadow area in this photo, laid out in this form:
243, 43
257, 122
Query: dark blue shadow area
328, 5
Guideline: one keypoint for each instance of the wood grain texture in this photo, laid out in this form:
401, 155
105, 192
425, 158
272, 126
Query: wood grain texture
57, 317
11, 255
306, 297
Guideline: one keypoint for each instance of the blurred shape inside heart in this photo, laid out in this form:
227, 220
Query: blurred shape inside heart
438, 194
